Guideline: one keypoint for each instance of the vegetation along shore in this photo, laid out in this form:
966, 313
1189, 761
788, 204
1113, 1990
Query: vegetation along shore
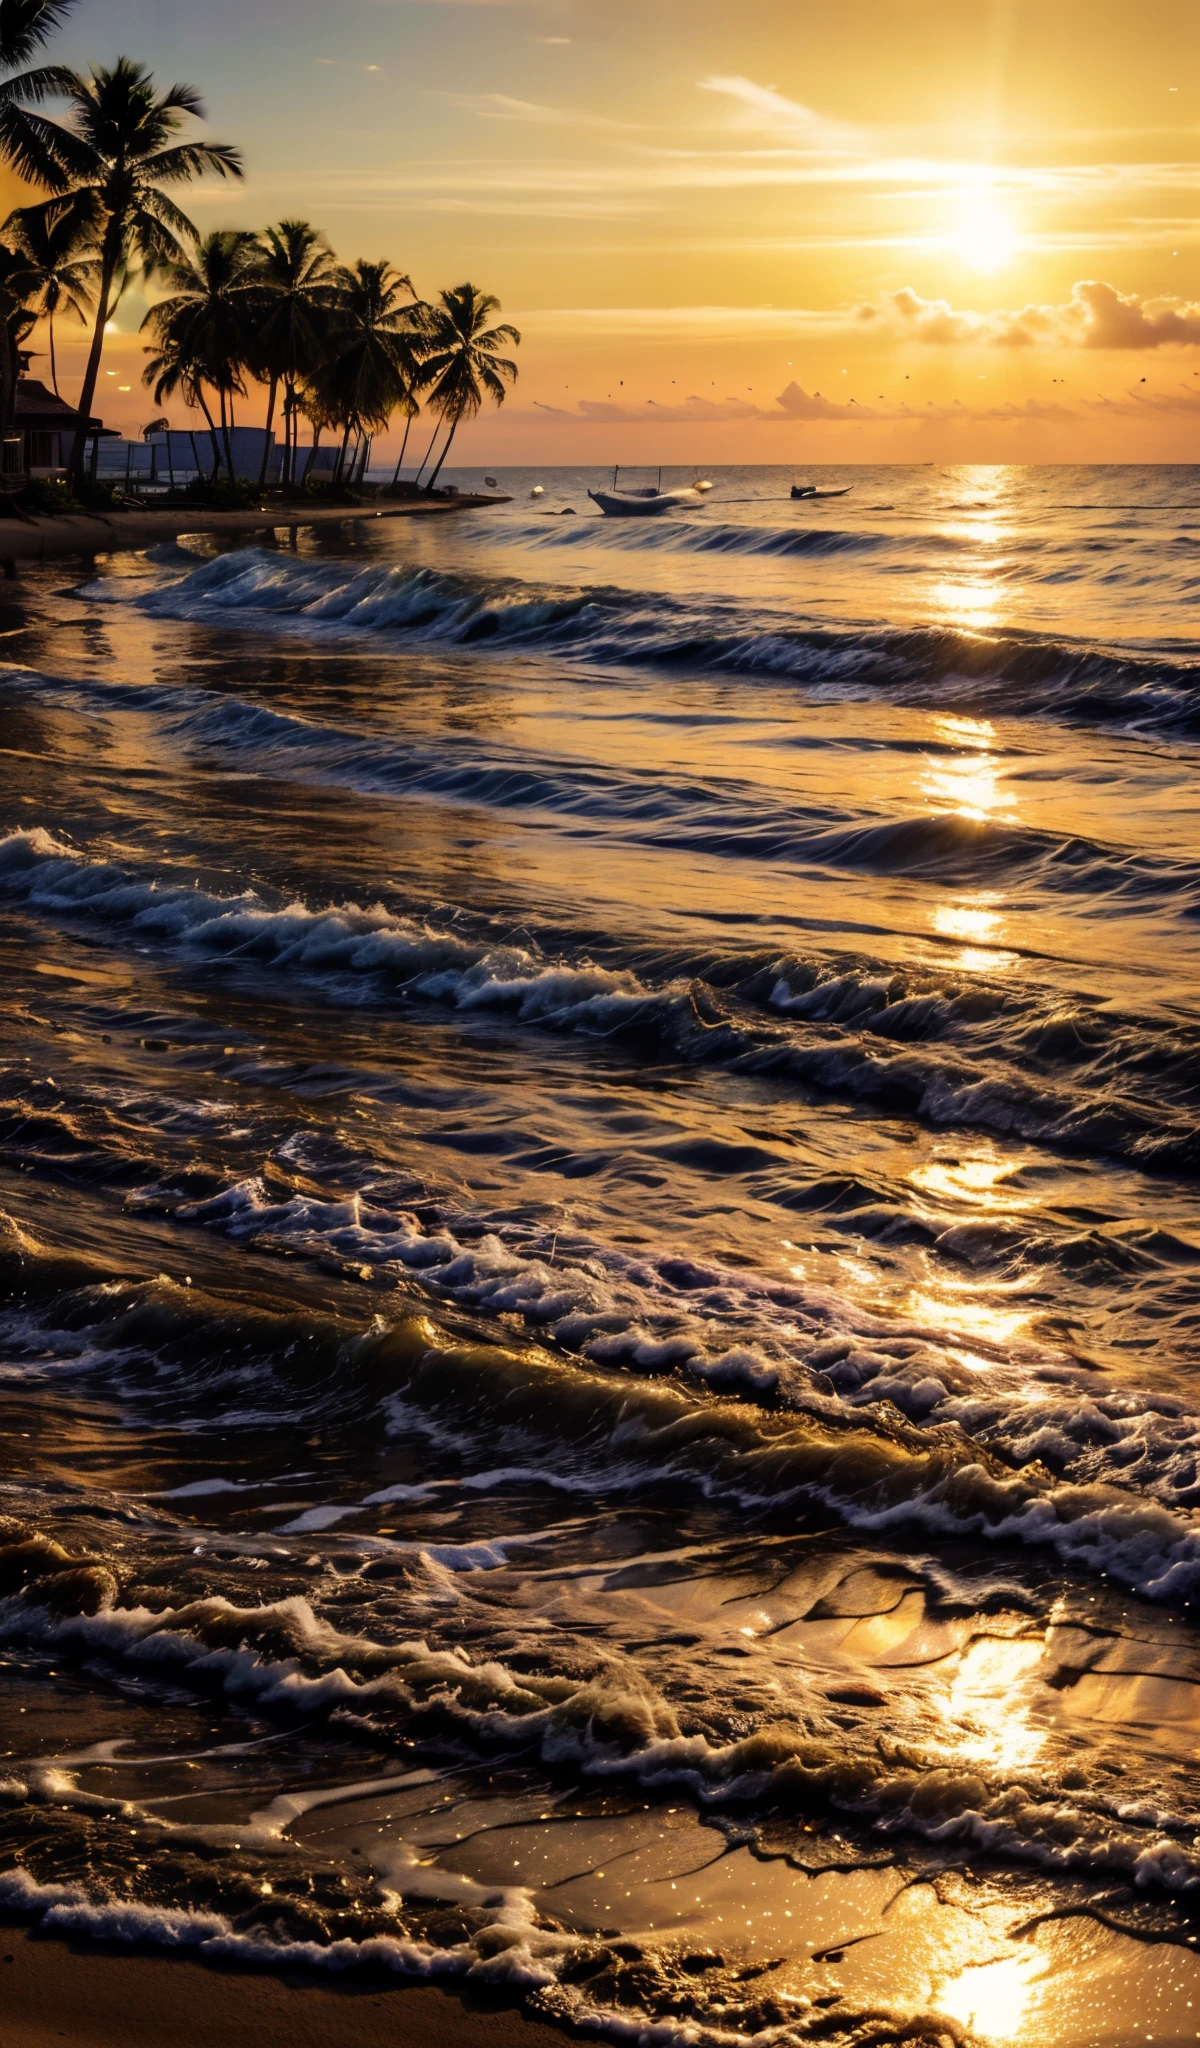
270, 321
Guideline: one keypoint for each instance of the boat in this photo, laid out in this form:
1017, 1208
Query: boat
627, 504
821, 490
645, 498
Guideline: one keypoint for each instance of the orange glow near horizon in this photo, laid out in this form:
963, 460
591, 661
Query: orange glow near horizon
903, 234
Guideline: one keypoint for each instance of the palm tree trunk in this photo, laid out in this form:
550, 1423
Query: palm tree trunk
108, 270
213, 441
429, 451
226, 433
445, 452
341, 461
312, 453
53, 363
403, 445
272, 394
289, 433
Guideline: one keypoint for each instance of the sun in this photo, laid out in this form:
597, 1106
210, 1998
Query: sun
985, 238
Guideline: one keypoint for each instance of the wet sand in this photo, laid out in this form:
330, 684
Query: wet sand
35, 540
100, 1998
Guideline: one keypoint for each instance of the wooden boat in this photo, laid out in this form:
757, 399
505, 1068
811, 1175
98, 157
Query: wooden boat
821, 490
640, 499
637, 504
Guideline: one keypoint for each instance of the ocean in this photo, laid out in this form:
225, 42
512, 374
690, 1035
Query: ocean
600, 1248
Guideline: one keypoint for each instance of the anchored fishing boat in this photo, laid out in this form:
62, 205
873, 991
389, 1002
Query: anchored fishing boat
646, 499
821, 490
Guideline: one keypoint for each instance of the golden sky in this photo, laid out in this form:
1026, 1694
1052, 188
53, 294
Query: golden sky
742, 230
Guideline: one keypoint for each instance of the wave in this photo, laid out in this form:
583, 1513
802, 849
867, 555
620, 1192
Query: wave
615, 627
668, 1369
950, 1055
724, 816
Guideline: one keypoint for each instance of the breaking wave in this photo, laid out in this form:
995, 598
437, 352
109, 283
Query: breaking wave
610, 626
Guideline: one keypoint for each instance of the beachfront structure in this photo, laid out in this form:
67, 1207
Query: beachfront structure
44, 429
163, 461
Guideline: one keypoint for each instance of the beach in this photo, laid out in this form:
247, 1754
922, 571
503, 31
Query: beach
599, 1346
43, 537
110, 1999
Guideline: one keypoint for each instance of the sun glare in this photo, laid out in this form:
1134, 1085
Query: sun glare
985, 238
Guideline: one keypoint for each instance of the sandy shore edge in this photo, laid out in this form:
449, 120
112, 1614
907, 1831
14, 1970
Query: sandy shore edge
26, 540
53, 1991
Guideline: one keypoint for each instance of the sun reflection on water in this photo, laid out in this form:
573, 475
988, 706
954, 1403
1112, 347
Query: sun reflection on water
988, 1706
971, 1319
994, 1999
979, 1181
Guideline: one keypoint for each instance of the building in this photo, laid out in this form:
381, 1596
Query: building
169, 459
45, 427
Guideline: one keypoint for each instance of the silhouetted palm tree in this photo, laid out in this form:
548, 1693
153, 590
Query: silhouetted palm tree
460, 364
300, 286
203, 329
376, 345
24, 26
179, 368
410, 408
113, 159
62, 261
17, 288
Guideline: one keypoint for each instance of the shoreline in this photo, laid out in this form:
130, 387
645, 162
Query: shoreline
39, 538
99, 1996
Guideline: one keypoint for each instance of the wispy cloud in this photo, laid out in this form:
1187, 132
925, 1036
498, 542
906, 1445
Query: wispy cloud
795, 406
498, 106
607, 412
762, 107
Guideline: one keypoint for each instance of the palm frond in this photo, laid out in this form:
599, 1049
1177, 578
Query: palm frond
186, 160
48, 81
34, 147
25, 25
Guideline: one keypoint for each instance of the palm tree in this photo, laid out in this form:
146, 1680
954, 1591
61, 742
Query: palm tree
179, 367
112, 162
410, 408
18, 285
202, 332
377, 344
61, 260
460, 360
300, 290
24, 26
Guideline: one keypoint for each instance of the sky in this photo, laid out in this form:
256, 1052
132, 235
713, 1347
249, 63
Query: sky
736, 230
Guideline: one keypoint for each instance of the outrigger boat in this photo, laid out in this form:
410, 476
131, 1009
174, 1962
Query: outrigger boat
821, 490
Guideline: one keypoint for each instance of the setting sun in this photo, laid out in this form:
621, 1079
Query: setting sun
985, 238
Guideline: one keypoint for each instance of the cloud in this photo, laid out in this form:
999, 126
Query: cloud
498, 106
796, 406
693, 411
762, 107
1095, 316
1119, 320
708, 323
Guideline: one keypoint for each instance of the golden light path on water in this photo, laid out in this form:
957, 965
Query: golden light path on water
886, 954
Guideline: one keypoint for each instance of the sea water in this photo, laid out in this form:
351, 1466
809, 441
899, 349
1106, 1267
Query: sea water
600, 1245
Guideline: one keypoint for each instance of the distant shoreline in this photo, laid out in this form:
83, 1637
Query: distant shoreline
37, 539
